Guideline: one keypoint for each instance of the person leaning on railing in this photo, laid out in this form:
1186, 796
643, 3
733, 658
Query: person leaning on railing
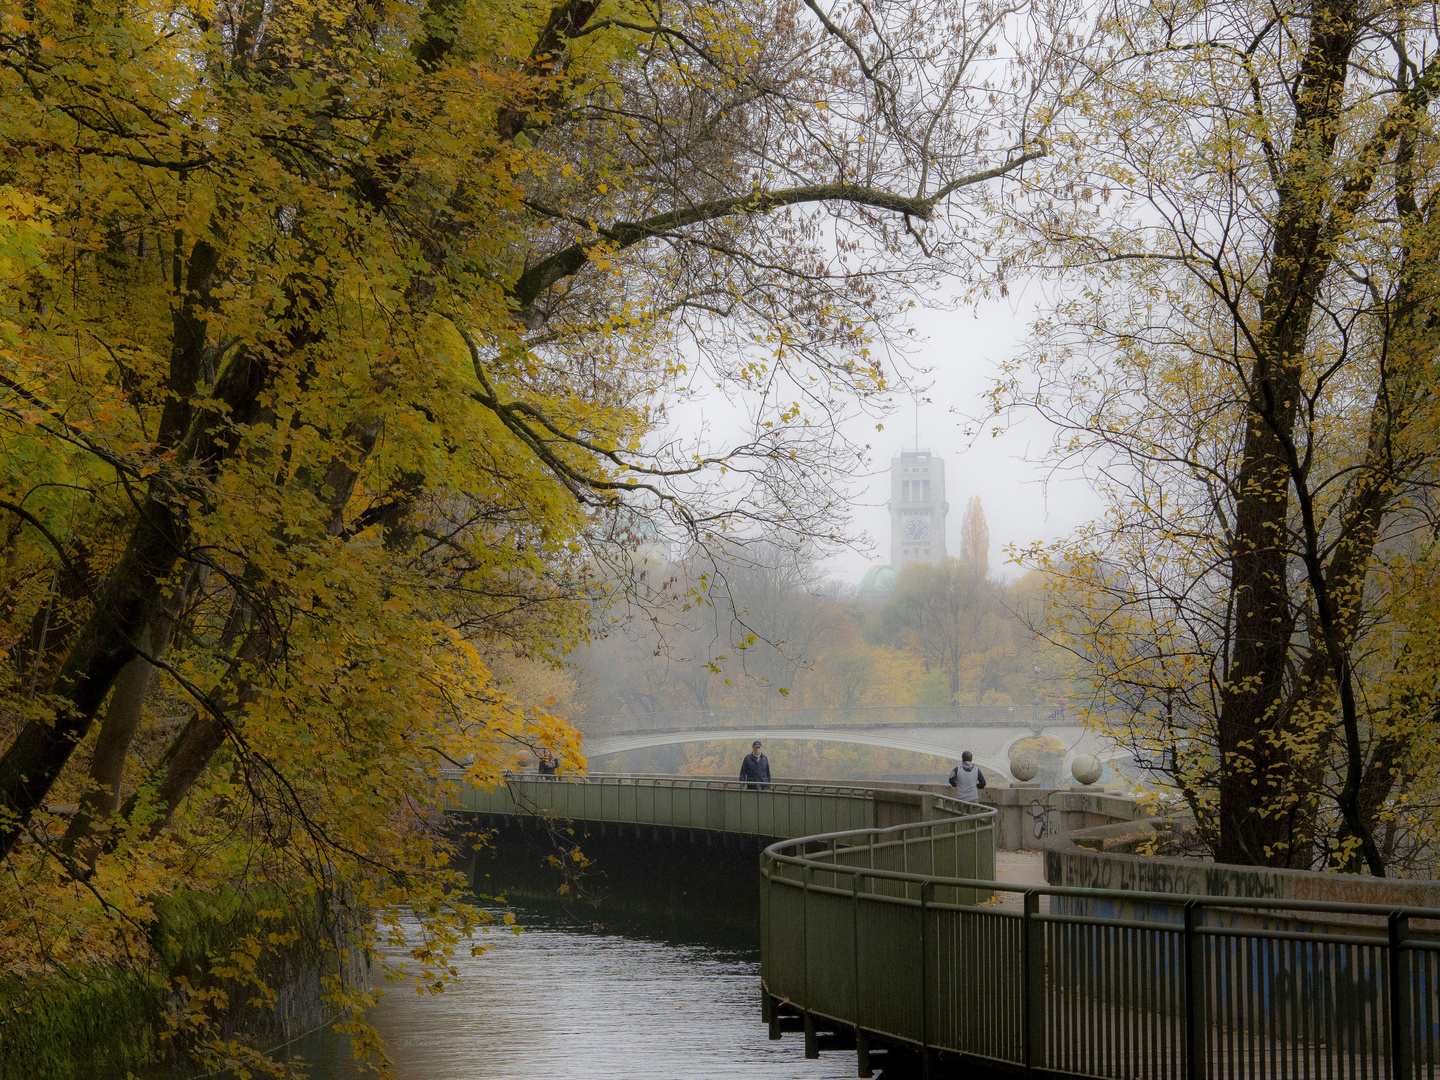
755, 768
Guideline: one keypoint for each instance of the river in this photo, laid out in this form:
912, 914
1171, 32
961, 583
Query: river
565, 999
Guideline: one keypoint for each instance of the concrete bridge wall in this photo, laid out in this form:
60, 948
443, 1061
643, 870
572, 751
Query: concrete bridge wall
1105, 858
1028, 815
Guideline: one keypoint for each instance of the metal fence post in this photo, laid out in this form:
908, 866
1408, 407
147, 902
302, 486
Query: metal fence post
1032, 983
862, 1043
1194, 970
810, 1042
927, 889
767, 907
1402, 1036
972, 833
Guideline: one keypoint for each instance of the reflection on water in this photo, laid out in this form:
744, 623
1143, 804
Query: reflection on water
566, 1000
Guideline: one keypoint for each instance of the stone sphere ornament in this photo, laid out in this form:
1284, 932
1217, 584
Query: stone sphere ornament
1024, 766
1086, 769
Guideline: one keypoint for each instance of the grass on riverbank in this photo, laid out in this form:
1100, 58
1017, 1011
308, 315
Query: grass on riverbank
103, 1024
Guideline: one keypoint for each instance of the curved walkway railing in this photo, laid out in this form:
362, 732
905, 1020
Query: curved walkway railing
727, 806
877, 937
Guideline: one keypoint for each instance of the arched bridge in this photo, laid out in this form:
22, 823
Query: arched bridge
987, 731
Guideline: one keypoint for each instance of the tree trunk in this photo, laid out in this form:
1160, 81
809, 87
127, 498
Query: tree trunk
1255, 772
133, 597
117, 730
54, 624
189, 754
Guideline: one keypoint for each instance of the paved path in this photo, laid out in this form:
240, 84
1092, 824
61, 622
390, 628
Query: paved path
1017, 868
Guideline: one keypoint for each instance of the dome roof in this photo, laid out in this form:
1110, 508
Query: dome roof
879, 579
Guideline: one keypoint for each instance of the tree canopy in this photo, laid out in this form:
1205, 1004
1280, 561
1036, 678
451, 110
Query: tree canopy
1246, 362
336, 347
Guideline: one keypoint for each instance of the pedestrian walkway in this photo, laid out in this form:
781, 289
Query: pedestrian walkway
1017, 868
1085, 982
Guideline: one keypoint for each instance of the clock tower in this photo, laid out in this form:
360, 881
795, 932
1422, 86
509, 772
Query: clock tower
917, 509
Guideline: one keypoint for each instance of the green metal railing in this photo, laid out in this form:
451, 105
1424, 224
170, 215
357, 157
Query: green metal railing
721, 806
1184, 987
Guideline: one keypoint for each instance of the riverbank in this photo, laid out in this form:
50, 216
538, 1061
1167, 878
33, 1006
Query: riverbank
108, 1023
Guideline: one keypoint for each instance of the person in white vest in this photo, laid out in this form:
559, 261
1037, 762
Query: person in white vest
967, 779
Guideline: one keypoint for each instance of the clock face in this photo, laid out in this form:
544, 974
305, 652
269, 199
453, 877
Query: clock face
917, 529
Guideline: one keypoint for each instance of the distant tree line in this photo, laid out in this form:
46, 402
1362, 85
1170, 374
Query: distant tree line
763, 628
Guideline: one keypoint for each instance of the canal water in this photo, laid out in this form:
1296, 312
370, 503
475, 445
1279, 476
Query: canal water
569, 999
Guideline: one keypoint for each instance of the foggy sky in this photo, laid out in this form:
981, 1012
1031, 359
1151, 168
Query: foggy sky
1024, 501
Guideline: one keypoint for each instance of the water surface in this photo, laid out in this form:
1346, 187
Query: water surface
566, 999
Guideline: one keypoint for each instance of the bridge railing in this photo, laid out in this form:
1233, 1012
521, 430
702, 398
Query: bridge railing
1206, 987
728, 806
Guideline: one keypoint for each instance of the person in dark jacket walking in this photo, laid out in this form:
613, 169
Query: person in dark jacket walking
755, 768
